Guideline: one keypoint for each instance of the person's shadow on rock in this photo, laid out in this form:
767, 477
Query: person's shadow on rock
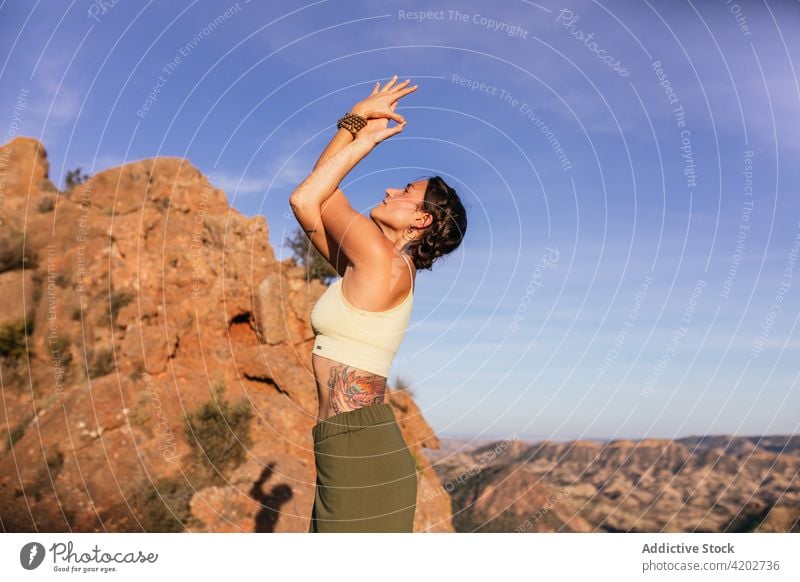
271, 502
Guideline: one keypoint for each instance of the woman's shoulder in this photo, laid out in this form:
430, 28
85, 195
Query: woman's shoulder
366, 288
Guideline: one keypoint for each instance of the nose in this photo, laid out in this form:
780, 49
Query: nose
390, 192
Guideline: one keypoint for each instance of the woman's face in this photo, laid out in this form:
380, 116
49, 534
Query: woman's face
399, 207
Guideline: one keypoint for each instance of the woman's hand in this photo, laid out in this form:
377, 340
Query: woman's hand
382, 100
380, 130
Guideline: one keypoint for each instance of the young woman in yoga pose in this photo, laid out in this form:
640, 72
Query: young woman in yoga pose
366, 476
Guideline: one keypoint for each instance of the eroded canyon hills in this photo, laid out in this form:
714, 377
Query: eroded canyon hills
716, 483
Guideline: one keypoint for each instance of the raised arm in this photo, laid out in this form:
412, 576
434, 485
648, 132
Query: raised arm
321, 207
380, 98
325, 177
335, 204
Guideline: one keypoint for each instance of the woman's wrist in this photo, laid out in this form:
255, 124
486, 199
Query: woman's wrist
357, 110
364, 140
353, 125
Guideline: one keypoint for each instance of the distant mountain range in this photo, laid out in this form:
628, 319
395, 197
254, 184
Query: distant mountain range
714, 483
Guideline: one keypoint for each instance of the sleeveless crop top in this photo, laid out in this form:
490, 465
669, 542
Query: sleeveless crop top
364, 339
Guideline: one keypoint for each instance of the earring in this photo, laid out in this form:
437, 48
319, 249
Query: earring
409, 230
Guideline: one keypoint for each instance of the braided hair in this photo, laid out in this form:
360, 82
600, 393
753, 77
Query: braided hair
447, 229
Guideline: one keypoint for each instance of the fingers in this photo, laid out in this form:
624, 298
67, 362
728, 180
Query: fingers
375, 88
388, 85
403, 92
390, 114
402, 88
388, 132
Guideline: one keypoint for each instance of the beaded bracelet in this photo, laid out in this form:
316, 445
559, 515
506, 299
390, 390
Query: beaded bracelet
352, 122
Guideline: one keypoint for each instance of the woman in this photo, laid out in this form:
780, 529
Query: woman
366, 476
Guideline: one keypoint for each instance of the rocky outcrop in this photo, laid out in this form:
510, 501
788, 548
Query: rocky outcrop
156, 359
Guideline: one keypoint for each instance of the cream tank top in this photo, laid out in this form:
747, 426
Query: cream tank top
367, 340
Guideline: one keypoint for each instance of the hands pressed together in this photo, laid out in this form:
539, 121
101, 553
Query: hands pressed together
378, 108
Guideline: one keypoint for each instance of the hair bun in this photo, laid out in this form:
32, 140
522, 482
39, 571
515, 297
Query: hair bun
447, 229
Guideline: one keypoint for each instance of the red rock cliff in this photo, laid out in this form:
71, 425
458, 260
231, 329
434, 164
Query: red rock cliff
136, 301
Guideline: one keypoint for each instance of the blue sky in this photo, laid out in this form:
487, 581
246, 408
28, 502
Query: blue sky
620, 269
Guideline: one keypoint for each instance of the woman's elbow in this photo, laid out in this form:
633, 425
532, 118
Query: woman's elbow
299, 196
295, 196
297, 202
301, 205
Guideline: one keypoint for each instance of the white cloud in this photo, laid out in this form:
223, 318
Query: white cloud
282, 173
56, 101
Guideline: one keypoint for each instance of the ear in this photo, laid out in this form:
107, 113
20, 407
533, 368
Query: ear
427, 219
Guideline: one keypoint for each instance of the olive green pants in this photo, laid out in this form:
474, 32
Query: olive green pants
366, 476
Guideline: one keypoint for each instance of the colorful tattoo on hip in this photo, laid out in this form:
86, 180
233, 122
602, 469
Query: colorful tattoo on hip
350, 388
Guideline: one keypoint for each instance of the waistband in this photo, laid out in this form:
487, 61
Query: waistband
352, 420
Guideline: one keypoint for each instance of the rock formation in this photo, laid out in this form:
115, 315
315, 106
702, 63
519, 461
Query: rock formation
156, 359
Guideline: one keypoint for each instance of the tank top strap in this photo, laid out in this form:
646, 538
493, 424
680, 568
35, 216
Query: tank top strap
410, 270
406, 259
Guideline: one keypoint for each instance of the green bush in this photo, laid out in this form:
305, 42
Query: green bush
46, 476
220, 434
37, 286
74, 178
12, 339
166, 506
59, 348
62, 280
307, 255
101, 363
46, 204
12, 250
75, 314
116, 301
15, 434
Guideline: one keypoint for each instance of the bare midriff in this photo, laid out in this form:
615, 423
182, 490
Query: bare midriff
342, 388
